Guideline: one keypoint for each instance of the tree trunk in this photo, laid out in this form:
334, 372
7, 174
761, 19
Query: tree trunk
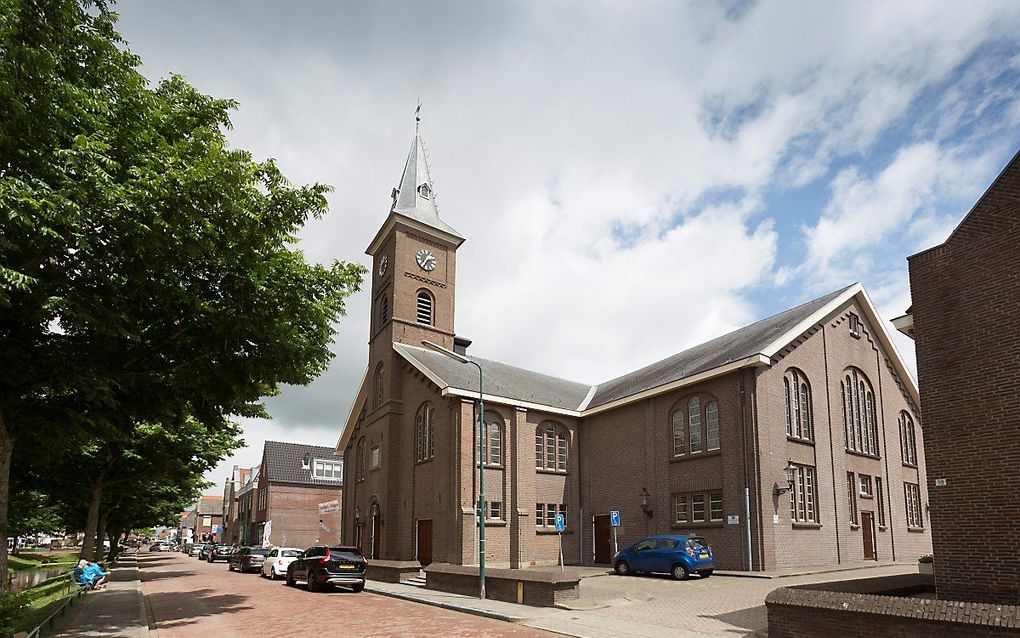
101, 535
114, 537
14, 549
88, 546
6, 448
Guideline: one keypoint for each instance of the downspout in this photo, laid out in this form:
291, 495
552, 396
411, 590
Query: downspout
832, 453
757, 468
580, 497
747, 482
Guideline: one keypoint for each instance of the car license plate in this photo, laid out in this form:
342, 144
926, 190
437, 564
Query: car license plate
347, 567
703, 556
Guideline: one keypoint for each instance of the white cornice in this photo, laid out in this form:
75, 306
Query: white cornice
413, 224
359, 400
473, 394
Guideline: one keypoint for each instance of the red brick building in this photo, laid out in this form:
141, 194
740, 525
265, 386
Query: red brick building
231, 504
965, 302
296, 494
792, 441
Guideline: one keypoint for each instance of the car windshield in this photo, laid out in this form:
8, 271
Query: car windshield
345, 550
697, 544
261, 551
290, 553
224, 548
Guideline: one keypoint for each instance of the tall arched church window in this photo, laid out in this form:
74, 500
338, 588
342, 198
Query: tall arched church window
551, 448
378, 386
712, 425
494, 445
679, 440
359, 463
694, 423
908, 440
384, 310
424, 307
860, 425
797, 392
424, 432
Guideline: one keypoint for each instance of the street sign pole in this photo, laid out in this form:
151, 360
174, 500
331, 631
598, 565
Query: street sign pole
614, 522
561, 524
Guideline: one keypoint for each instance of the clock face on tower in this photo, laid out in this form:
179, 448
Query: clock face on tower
426, 260
383, 263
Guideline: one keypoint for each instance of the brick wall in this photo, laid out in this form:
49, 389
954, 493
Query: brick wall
966, 300
294, 511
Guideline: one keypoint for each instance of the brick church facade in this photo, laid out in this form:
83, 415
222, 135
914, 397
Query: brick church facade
793, 441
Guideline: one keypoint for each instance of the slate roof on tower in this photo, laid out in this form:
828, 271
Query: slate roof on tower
283, 462
415, 197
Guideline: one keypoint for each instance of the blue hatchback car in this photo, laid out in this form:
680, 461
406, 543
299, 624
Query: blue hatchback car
679, 555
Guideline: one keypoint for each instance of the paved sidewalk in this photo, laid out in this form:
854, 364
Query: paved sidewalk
118, 611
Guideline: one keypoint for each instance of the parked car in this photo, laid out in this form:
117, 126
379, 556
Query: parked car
203, 553
322, 565
679, 555
219, 552
275, 565
194, 550
247, 559
186, 548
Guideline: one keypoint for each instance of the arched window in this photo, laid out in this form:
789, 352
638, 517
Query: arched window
694, 423
712, 425
359, 463
551, 448
377, 386
424, 309
859, 422
908, 441
424, 432
679, 441
797, 393
494, 453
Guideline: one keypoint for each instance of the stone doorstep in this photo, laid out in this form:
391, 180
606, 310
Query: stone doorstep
804, 571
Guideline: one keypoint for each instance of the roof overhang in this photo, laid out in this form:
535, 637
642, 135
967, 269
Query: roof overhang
413, 224
905, 324
352, 416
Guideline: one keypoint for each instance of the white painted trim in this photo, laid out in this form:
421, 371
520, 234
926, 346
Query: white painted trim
904, 324
784, 340
886, 340
359, 400
587, 399
755, 360
473, 394
413, 224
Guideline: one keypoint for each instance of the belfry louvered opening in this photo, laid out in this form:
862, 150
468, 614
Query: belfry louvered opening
424, 307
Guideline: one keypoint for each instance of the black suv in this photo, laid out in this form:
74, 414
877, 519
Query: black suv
321, 565
247, 558
219, 552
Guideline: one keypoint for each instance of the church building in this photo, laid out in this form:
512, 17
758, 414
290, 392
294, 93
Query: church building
793, 441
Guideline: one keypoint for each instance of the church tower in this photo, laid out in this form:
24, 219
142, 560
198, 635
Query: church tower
414, 267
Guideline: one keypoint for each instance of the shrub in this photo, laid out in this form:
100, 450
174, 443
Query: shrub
926, 558
12, 608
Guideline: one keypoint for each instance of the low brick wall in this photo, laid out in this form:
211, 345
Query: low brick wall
854, 609
392, 571
539, 588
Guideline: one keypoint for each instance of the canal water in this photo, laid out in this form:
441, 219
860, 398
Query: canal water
26, 578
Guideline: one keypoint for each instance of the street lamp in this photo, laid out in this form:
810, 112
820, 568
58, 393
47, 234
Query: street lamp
481, 460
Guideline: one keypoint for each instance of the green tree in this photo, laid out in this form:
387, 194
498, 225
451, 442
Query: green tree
148, 272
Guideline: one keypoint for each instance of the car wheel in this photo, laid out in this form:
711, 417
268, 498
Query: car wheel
623, 568
680, 572
290, 579
705, 573
272, 573
310, 582
230, 567
357, 589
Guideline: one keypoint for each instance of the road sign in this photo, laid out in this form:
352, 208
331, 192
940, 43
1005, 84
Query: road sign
614, 518
561, 523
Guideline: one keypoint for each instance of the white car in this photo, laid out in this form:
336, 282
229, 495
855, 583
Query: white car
275, 565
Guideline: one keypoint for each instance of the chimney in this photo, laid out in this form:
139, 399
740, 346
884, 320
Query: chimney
460, 345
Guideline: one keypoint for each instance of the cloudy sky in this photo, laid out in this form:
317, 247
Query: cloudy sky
632, 177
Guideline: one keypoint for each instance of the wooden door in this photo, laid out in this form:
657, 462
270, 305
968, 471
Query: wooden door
868, 527
603, 539
425, 542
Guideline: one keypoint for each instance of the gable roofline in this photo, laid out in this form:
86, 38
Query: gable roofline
359, 402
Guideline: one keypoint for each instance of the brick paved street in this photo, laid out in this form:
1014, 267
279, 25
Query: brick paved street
190, 598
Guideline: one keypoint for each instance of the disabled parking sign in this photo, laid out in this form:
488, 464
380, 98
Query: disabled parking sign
561, 523
614, 518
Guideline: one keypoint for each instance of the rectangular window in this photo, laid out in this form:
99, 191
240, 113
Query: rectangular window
550, 515
550, 451
802, 495
539, 446
680, 508
715, 501
695, 430
563, 510
698, 508
539, 514
561, 456
318, 468
912, 497
855, 325
880, 501
866, 489
851, 486
496, 510
374, 458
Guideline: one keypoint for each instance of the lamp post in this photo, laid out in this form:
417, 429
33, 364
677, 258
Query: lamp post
480, 508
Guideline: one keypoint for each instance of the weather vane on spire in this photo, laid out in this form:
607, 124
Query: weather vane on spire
417, 115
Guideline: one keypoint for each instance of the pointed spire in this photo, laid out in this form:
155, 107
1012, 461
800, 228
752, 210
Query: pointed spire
415, 196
